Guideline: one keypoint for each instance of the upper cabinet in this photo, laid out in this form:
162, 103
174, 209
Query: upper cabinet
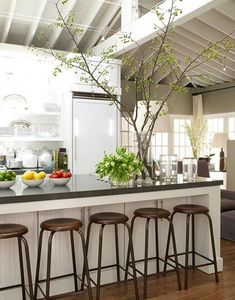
107, 72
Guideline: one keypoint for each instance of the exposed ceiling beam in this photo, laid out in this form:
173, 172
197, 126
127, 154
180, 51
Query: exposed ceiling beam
219, 22
8, 21
129, 13
190, 49
193, 37
65, 12
228, 9
87, 21
205, 31
199, 70
104, 22
34, 25
146, 27
218, 87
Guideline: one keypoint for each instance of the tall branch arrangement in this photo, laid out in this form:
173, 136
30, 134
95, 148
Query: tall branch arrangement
142, 70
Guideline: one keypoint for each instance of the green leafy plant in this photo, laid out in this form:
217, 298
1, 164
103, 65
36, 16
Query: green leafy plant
119, 166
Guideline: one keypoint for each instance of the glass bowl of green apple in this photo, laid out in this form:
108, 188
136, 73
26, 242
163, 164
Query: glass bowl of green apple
7, 179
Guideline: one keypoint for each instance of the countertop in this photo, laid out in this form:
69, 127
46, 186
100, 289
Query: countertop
89, 186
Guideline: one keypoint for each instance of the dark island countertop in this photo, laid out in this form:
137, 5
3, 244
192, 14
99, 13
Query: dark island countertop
82, 186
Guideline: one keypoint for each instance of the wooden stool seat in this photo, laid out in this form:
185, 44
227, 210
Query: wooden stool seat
152, 213
61, 224
108, 218
191, 209
12, 230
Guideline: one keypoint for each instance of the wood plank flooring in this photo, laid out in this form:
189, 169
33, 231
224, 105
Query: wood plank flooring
202, 286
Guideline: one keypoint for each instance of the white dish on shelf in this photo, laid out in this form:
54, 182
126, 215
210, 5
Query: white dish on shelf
33, 182
60, 181
6, 184
14, 102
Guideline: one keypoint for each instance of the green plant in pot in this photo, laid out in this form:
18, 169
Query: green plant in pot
119, 167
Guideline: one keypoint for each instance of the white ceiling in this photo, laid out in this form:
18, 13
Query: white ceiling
22, 21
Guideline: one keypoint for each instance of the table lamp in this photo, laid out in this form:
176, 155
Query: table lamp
220, 141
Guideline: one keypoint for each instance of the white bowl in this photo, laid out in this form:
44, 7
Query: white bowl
33, 182
6, 184
60, 181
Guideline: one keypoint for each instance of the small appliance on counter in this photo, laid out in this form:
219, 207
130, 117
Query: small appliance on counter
29, 159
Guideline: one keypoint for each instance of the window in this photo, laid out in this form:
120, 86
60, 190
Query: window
214, 125
127, 135
159, 140
231, 128
159, 144
181, 141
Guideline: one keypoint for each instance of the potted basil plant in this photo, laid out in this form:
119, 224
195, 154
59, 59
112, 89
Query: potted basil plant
119, 167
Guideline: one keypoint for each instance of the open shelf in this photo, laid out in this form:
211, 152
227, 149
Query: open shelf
34, 113
30, 139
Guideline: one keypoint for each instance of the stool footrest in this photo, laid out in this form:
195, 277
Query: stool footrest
107, 267
211, 262
151, 258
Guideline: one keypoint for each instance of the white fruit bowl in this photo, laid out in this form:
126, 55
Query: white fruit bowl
6, 184
60, 181
33, 182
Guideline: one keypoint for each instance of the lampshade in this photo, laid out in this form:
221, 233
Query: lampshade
162, 123
219, 140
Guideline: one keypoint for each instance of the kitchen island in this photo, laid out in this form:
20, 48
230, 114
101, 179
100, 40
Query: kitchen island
85, 195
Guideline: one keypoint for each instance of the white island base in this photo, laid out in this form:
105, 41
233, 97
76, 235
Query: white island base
33, 213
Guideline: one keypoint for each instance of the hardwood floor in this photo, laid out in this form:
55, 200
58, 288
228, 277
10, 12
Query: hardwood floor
202, 286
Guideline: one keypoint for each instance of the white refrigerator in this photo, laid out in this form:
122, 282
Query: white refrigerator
95, 131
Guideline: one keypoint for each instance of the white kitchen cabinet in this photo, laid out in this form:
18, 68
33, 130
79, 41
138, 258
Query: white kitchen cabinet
95, 131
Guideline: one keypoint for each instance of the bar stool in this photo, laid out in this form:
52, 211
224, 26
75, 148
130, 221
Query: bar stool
103, 219
8, 231
153, 213
60, 225
191, 210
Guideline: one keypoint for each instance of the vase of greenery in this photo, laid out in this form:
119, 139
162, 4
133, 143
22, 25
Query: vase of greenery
119, 167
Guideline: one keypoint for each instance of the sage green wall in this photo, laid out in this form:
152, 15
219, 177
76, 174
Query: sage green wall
216, 102
179, 104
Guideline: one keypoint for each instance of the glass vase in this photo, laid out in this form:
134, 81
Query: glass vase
189, 169
168, 167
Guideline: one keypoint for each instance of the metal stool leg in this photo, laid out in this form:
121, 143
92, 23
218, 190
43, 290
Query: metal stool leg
213, 247
186, 252
117, 252
129, 249
193, 240
87, 246
21, 268
85, 263
27, 260
171, 228
99, 262
168, 244
74, 261
157, 245
49, 265
38, 264
146, 257
133, 261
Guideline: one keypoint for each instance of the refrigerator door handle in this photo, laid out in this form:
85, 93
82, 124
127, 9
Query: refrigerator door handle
75, 147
